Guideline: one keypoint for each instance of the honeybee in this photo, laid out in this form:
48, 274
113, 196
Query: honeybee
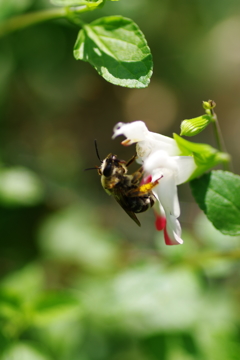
126, 189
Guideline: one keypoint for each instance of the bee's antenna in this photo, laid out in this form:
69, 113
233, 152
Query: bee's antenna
96, 148
93, 168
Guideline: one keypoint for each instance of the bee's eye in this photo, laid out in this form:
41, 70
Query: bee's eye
107, 170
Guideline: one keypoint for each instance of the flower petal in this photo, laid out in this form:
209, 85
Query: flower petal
160, 221
186, 166
161, 164
172, 231
135, 131
148, 142
166, 191
160, 159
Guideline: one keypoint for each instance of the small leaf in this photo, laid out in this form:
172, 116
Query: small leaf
117, 49
205, 156
218, 195
191, 127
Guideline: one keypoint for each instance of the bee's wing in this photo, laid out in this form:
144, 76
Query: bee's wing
119, 198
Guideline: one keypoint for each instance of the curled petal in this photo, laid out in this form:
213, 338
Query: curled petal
172, 231
134, 132
166, 191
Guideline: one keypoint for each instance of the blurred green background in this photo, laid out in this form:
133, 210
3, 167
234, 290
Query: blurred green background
79, 279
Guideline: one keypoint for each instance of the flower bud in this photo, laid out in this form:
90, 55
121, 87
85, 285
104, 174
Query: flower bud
194, 126
209, 105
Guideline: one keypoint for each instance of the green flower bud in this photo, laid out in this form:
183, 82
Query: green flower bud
209, 105
191, 127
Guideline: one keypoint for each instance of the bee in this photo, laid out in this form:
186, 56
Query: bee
125, 188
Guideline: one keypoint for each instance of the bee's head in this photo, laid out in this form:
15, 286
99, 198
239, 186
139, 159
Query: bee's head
110, 165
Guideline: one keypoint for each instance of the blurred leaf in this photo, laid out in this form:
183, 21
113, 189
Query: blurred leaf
13, 7
18, 293
63, 336
54, 306
117, 49
217, 331
213, 238
10, 304
218, 195
25, 283
6, 68
13, 315
73, 234
215, 241
20, 186
24, 351
155, 346
144, 300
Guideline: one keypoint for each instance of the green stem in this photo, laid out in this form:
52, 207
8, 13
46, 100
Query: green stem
220, 142
23, 21
218, 134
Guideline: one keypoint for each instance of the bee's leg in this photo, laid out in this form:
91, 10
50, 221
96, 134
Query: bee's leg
143, 189
136, 176
130, 161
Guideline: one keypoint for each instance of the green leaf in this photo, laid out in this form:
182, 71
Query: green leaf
117, 49
205, 156
218, 195
88, 3
191, 127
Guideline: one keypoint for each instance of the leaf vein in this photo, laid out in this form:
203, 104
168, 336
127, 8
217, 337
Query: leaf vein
227, 200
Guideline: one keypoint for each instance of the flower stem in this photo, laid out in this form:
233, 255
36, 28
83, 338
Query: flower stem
23, 21
220, 141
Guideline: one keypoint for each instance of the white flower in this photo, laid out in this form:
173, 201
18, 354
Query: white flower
147, 141
160, 158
